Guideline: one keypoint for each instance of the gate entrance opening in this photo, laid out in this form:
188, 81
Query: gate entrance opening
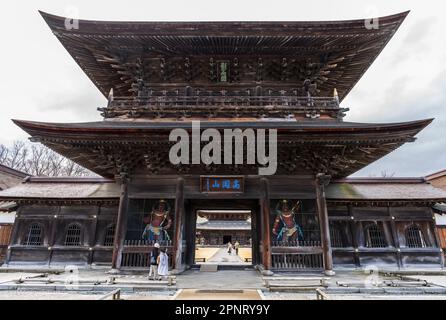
223, 232
227, 239
223, 237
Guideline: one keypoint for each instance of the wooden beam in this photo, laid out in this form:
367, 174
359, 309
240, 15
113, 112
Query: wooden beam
321, 181
395, 236
434, 227
121, 225
14, 237
179, 212
93, 235
52, 233
355, 235
265, 209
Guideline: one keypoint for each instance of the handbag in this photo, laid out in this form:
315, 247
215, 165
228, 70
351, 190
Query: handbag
152, 259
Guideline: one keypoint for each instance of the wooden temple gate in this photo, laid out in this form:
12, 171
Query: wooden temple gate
307, 253
156, 81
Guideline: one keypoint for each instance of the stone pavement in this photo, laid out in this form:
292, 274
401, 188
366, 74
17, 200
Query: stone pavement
229, 294
205, 253
223, 279
222, 256
224, 284
438, 280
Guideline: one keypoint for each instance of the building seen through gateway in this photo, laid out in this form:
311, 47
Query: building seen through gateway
291, 77
216, 229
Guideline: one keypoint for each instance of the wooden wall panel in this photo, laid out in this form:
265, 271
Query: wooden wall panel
370, 213
411, 212
30, 255
5, 234
39, 210
442, 236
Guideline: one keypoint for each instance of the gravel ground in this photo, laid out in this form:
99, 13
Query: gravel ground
308, 296
221, 280
41, 295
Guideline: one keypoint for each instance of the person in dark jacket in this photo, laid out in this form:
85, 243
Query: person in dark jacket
154, 262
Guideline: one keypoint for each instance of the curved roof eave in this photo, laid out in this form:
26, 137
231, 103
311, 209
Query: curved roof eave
367, 43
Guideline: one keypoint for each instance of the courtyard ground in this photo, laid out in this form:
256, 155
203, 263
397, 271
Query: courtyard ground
90, 284
220, 255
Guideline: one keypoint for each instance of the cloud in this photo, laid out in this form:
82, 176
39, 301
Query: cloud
426, 154
81, 101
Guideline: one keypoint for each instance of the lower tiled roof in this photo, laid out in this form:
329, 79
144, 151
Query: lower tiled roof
347, 189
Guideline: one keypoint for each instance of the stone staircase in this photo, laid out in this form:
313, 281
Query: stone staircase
294, 283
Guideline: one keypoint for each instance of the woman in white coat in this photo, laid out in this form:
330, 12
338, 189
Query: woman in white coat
163, 264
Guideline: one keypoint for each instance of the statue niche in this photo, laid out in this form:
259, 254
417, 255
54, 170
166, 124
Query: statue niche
158, 222
285, 227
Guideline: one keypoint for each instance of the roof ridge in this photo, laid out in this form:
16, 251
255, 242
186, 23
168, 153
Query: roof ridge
41, 179
13, 171
378, 180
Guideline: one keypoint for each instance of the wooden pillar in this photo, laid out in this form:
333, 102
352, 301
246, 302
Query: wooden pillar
52, 234
254, 235
93, 237
265, 209
14, 236
121, 225
178, 238
433, 224
396, 239
355, 236
321, 181
190, 223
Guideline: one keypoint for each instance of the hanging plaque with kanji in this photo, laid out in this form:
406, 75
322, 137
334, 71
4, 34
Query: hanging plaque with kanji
222, 184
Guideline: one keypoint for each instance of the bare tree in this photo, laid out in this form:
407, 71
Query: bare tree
16, 155
38, 160
3, 153
386, 174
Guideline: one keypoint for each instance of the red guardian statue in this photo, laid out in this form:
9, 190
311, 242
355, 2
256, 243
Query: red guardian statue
158, 222
285, 227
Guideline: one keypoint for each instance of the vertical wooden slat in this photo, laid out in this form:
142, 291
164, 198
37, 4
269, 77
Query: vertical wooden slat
121, 225
265, 208
321, 181
177, 262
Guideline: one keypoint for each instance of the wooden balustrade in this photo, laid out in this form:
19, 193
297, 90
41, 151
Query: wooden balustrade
297, 261
300, 243
222, 106
145, 243
226, 100
136, 253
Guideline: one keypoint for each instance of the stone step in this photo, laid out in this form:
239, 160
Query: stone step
209, 268
294, 288
85, 287
295, 281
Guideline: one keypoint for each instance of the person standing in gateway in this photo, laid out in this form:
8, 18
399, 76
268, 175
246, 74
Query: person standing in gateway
163, 264
154, 261
236, 247
229, 247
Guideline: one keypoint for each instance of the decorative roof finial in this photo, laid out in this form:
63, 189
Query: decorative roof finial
110, 97
335, 95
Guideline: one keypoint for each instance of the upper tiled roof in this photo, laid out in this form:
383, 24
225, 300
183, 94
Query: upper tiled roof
109, 51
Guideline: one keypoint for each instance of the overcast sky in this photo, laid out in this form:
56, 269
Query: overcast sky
40, 81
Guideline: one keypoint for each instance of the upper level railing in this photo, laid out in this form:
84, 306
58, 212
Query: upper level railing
226, 100
222, 106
